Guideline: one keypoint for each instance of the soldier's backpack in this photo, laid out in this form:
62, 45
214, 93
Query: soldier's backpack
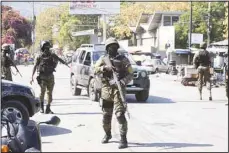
47, 64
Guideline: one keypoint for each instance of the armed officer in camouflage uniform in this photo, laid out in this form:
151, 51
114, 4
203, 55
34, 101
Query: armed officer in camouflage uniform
46, 63
202, 62
6, 62
109, 93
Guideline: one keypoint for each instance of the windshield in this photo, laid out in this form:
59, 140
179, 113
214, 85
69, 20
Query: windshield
98, 54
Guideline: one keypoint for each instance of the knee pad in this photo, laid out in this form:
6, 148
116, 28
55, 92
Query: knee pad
121, 117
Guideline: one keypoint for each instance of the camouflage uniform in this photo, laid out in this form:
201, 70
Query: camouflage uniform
202, 62
110, 94
6, 62
45, 77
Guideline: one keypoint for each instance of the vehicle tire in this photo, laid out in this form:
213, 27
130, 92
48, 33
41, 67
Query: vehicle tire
75, 91
156, 71
18, 109
142, 95
167, 72
92, 93
184, 82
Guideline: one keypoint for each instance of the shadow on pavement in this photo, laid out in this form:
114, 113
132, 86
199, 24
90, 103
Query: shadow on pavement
165, 145
47, 130
80, 113
150, 100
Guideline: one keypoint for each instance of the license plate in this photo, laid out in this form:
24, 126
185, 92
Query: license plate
131, 82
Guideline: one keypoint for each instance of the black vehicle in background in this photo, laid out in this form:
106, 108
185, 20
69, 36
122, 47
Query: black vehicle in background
18, 100
82, 73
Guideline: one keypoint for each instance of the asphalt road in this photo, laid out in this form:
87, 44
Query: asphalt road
172, 119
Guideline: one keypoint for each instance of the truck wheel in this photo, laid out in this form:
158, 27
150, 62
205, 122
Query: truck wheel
92, 93
75, 91
142, 95
17, 109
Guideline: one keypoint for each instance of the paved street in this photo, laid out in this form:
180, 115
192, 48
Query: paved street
173, 119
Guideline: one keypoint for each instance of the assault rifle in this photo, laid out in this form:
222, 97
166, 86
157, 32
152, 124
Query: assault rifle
117, 82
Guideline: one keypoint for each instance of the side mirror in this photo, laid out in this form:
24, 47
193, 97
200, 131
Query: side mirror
87, 62
53, 121
139, 63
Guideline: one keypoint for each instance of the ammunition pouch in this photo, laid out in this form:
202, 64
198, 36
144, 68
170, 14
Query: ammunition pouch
38, 79
107, 74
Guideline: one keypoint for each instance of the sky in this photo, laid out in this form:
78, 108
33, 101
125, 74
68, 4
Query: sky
26, 8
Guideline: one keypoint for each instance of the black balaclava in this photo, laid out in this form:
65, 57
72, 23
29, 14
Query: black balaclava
112, 50
45, 49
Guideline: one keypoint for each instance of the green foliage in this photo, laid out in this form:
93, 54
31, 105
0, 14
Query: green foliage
199, 20
131, 11
66, 23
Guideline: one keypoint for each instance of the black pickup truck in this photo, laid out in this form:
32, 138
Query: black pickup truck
19, 100
82, 73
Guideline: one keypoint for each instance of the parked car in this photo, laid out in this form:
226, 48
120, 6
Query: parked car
160, 66
83, 77
19, 100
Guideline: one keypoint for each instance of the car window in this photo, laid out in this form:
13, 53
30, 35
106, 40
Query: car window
87, 60
82, 55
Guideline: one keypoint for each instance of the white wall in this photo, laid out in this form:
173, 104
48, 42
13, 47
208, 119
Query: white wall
166, 34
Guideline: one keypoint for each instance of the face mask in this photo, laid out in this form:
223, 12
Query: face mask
112, 50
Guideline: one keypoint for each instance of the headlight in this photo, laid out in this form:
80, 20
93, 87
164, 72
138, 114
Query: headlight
143, 74
32, 91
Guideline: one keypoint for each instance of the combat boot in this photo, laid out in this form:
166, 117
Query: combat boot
48, 110
42, 107
123, 142
107, 137
210, 98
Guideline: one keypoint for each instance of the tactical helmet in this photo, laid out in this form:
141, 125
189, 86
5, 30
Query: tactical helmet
5, 47
45, 43
110, 41
203, 45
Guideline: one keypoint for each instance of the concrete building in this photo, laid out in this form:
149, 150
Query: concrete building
154, 32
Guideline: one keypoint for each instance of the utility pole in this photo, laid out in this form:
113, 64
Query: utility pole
99, 32
209, 27
104, 28
190, 31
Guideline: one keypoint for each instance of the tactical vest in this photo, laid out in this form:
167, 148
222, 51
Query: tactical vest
47, 64
204, 58
121, 69
5, 62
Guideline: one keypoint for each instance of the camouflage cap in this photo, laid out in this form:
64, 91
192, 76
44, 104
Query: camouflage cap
5, 47
110, 41
203, 45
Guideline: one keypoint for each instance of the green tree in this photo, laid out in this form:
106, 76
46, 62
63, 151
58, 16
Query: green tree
66, 23
199, 23
15, 28
130, 13
226, 21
